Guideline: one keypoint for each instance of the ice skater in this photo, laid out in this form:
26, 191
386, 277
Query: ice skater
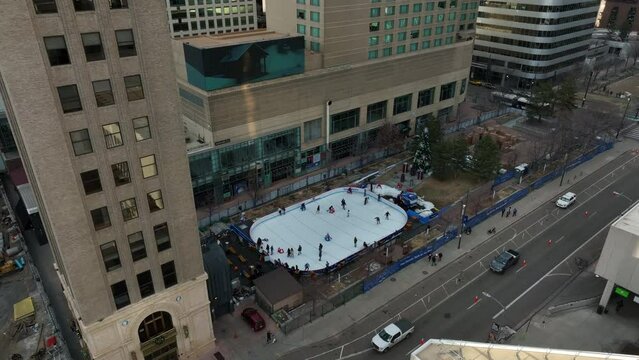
328, 237
355, 241
349, 190
303, 207
379, 197
307, 267
272, 248
364, 192
288, 252
320, 247
377, 219
387, 215
366, 200
279, 211
343, 204
320, 255
348, 213
268, 249
292, 252
299, 250
318, 209
331, 210
284, 210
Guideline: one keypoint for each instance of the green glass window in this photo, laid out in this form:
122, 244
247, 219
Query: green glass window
450, 28
401, 36
403, 9
315, 32
451, 16
301, 29
440, 17
315, 46
430, 6
416, 20
464, 6
428, 19
453, 4
373, 40
439, 30
389, 10
315, 2
375, 12
315, 16
449, 40
402, 104
417, 7
388, 38
387, 52
376, 111
374, 26
403, 23
401, 49
301, 1
438, 42
414, 34
344, 120
389, 24
414, 46
427, 32
372, 54
462, 17
425, 44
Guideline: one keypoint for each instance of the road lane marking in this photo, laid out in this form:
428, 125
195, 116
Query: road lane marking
357, 353
474, 303
561, 238
559, 274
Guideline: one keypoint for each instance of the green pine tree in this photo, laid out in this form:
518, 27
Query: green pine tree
422, 157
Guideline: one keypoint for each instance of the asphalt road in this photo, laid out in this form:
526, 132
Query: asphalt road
443, 306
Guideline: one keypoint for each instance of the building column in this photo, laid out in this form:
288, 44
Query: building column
605, 297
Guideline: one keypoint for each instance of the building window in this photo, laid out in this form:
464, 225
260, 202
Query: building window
149, 168
403, 23
425, 44
389, 24
417, 8
168, 274
439, 30
112, 135
129, 209
438, 42
387, 51
414, 34
428, 19
441, 4
120, 294
126, 43
91, 181
301, 2
155, 201
447, 91
103, 93
440, 17
141, 128
389, 10
373, 54
448, 40
133, 84
403, 9
312, 130
162, 238
145, 283
315, 32
425, 97
388, 38
136, 244
451, 16
315, 2
376, 111
430, 6
402, 104
119, 4
100, 218
416, 20
414, 46
81, 142
69, 98
45, 6
83, 5
344, 120
401, 49
315, 46
427, 32
374, 26
92, 46
301, 29
315, 16
110, 256
450, 28
375, 12
121, 173
462, 88
301, 14
57, 50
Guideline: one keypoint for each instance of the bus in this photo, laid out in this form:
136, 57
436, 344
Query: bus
518, 102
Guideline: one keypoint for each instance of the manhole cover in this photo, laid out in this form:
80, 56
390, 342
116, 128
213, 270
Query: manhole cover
446, 315
392, 279
424, 272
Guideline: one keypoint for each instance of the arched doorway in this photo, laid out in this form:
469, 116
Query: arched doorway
158, 337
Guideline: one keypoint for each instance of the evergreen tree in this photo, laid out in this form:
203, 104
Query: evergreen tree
486, 158
458, 153
423, 157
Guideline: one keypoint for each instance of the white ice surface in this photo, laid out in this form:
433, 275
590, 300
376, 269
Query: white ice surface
308, 228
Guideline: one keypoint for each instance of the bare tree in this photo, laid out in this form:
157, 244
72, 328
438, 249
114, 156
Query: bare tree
389, 136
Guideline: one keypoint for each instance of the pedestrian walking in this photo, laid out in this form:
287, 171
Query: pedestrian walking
514, 212
387, 215
430, 257
269, 336
348, 213
303, 207
434, 258
307, 267
321, 247
379, 197
508, 212
299, 250
503, 210
439, 256
377, 219
318, 209
355, 241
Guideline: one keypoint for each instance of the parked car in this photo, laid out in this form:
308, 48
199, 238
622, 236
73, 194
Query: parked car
392, 334
504, 260
488, 85
522, 169
566, 200
253, 318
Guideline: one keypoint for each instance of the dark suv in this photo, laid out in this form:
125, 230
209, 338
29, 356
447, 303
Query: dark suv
504, 260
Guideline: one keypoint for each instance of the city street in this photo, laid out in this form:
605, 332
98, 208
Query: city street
549, 240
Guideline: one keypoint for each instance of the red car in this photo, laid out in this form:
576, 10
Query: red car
253, 318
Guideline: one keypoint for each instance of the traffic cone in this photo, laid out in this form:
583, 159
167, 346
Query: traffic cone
524, 263
422, 341
549, 242
475, 299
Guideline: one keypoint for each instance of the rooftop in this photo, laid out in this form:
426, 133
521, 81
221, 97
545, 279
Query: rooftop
465, 350
213, 41
629, 221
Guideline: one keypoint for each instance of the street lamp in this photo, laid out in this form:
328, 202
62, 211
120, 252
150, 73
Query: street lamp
623, 118
461, 225
494, 299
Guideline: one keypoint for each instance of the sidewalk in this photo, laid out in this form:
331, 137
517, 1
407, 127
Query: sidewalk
236, 341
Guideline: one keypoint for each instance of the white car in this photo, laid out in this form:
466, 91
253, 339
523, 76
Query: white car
392, 334
566, 200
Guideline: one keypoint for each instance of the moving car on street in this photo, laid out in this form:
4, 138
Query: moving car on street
392, 334
504, 260
566, 200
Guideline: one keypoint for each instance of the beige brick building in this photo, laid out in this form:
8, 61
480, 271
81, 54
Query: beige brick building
89, 88
374, 62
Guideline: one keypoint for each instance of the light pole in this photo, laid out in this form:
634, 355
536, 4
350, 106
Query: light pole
583, 102
623, 118
461, 225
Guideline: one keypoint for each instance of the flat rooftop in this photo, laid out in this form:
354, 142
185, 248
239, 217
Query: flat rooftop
629, 221
465, 350
213, 41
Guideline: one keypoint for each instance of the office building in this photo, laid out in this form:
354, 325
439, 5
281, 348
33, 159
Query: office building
256, 104
89, 88
618, 15
199, 17
520, 42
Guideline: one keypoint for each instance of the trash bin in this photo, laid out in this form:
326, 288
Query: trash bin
405, 249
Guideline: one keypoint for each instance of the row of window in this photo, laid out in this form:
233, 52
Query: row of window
533, 45
350, 119
538, 8
70, 96
417, 7
315, 31
50, 7
145, 284
536, 33
414, 34
312, 2
428, 19
538, 20
93, 50
528, 68
211, 12
202, 2
528, 56
315, 15
81, 141
213, 24
137, 247
374, 54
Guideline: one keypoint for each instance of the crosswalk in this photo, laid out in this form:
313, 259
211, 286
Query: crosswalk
632, 132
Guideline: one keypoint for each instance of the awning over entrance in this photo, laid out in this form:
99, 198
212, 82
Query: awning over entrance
27, 196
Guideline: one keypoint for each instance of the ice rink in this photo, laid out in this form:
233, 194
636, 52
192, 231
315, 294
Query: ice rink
308, 228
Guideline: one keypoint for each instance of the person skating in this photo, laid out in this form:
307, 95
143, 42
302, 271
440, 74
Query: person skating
387, 215
343, 204
377, 219
379, 197
299, 250
320, 247
328, 237
307, 267
320, 255
288, 252
355, 241
303, 207
366, 200
348, 213
318, 209
268, 249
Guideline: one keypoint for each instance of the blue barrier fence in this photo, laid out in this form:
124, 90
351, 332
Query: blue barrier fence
504, 177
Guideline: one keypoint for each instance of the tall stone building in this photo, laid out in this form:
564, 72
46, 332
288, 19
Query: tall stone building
89, 88
191, 17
